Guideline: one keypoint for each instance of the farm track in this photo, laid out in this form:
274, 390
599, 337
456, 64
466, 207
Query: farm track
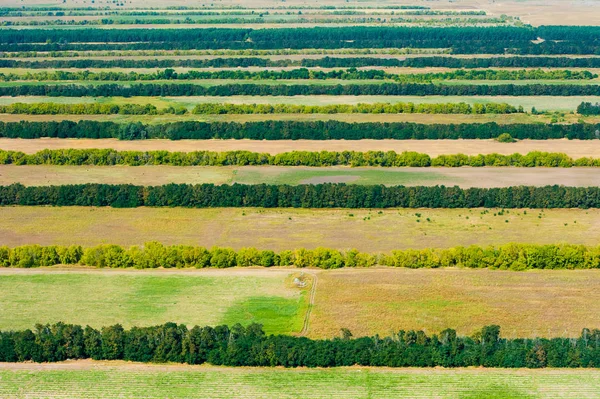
311, 304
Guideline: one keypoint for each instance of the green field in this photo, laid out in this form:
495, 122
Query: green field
139, 298
282, 229
92, 380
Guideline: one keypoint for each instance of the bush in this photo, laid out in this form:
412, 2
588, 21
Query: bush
505, 138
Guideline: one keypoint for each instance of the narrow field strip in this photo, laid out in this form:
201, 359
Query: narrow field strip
551, 103
365, 230
573, 148
107, 380
45, 175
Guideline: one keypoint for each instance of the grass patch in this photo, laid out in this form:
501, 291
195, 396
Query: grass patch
523, 304
140, 298
109, 380
281, 229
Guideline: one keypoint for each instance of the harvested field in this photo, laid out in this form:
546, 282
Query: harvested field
573, 148
528, 304
142, 298
42, 175
281, 229
100, 380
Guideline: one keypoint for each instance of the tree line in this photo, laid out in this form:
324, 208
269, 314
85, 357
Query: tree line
154, 255
251, 89
330, 195
250, 346
361, 108
294, 130
300, 74
217, 108
461, 40
105, 157
325, 62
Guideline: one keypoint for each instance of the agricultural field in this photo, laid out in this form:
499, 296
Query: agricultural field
529, 304
135, 298
318, 319
99, 380
280, 229
45, 175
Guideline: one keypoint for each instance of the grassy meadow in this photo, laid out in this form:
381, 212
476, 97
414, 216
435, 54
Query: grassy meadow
524, 304
280, 229
527, 304
95, 380
142, 298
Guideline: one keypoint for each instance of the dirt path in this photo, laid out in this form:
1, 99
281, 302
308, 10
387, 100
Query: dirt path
311, 304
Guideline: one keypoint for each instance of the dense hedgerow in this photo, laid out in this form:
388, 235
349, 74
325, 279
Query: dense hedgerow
299, 74
256, 89
154, 255
295, 130
216, 108
460, 40
325, 62
301, 196
104, 157
250, 346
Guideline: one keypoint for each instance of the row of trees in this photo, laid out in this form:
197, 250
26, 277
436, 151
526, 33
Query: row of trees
295, 130
467, 40
301, 74
482, 40
300, 196
87, 109
361, 108
255, 89
218, 108
325, 62
250, 346
155, 255
104, 157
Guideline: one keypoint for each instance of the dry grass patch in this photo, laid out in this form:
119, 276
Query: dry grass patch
281, 229
524, 304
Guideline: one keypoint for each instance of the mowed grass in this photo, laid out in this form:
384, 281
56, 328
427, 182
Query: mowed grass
107, 380
281, 229
42, 175
384, 300
141, 298
541, 103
